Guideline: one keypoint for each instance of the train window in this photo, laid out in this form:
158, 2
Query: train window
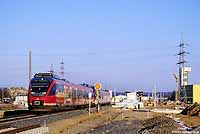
60, 87
67, 92
70, 92
53, 90
81, 94
39, 87
86, 95
78, 93
73, 93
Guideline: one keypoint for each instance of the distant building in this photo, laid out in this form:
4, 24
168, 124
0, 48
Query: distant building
192, 93
118, 93
183, 75
130, 100
21, 99
160, 96
119, 98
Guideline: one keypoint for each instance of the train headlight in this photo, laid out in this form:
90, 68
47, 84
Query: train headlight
43, 93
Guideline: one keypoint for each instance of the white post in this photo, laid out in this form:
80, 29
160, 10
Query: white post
98, 107
155, 98
89, 105
30, 65
89, 96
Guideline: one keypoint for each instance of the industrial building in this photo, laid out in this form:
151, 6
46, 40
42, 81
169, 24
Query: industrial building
183, 75
193, 93
21, 99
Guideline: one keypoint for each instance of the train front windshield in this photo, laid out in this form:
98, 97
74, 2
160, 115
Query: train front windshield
39, 87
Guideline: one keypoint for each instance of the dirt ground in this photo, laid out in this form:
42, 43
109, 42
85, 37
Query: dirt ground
113, 121
5, 107
83, 122
190, 121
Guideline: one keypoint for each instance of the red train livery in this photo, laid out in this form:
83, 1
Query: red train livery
47, 92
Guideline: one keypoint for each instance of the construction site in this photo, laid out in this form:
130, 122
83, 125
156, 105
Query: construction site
106, 112
99, 67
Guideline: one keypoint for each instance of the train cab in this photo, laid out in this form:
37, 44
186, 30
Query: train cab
42, 91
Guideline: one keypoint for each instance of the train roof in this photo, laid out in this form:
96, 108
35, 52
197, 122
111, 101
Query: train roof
87, 85
46, 75
49, 75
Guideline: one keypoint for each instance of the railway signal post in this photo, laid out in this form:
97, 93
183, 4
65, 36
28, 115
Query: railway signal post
97, 87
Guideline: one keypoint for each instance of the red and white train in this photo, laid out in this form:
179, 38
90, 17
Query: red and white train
47, 92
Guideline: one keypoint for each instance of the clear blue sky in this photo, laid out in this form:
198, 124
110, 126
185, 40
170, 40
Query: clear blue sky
125, 44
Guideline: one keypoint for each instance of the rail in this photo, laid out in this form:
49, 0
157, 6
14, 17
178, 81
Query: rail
17, 130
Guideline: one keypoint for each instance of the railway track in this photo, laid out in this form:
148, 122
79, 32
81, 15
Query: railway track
6, 128
25, 122
18, 130
16, 118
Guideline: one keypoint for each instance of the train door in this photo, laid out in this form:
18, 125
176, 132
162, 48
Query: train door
73, 96
67, 95
59, 94
77, 96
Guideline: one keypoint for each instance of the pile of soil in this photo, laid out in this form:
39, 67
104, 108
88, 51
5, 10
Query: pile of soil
158, 125
197, 130
192, 110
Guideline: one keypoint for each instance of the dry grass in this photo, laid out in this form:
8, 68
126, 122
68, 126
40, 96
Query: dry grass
83, 122
130, 115
5, 107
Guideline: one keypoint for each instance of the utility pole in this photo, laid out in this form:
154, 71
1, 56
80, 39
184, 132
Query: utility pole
2, 95
177, 94
152, 95
155, 98
62, 70
51, 69
30, 65
181, 63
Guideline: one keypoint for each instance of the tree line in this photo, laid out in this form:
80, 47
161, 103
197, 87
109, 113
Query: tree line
12, 92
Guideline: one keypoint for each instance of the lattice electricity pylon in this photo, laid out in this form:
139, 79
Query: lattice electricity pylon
182, 53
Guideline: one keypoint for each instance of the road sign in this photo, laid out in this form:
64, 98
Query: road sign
97, 86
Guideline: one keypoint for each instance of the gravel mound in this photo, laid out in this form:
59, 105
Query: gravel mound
156, 125
192, 110
197, 130
159, 125
118, 127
